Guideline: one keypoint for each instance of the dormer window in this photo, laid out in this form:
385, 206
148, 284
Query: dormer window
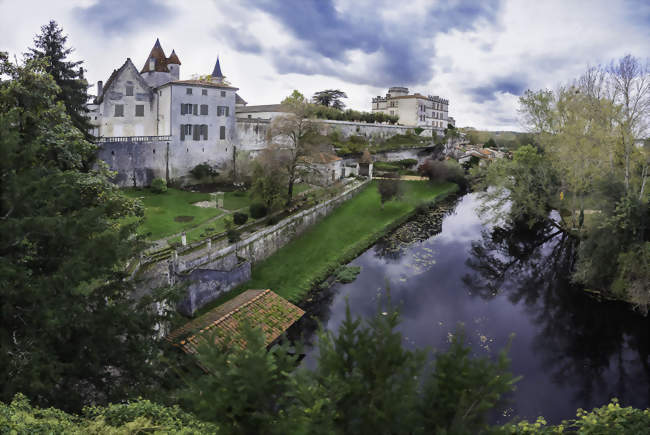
188, 91
152, 64
129, 90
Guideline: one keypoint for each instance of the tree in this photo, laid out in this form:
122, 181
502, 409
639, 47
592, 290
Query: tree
293, 138
70, 331
388, 190
330, 98
50, 46
269, 180
245, 389
490, 143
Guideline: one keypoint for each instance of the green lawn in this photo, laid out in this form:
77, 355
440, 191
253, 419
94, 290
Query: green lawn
161, 211
238, 200
352, 227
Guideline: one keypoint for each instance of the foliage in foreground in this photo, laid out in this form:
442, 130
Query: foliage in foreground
365, 381
611, 419
70, 331
140, 416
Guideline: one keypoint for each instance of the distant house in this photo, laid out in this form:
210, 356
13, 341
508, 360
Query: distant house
324, 168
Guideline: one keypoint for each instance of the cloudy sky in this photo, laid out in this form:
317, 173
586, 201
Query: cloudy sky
479, 54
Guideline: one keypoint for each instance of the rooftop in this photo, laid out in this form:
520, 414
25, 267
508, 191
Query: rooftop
262, 308
261, 108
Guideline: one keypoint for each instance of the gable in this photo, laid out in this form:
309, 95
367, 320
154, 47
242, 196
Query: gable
127, 74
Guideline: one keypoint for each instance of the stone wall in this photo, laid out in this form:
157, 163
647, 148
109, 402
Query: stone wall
205, 285
263, 243
137, 162
251, 133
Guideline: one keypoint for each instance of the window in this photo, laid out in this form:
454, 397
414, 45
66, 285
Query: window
119, 110
129, 90
222, 110
188, 91
186, 130
204, 109
204, 92
223, 93
222, 132
139, 110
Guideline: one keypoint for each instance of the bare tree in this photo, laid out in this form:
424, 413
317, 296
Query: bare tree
292, 137
631, 90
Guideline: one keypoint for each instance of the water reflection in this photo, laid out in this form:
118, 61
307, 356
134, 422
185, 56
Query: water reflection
572, 351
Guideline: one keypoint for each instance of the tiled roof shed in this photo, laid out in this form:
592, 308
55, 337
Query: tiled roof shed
261, 308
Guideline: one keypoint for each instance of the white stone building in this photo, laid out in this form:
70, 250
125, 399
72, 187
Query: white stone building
151, 124
413, 110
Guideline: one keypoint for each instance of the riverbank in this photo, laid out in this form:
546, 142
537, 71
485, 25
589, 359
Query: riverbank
337, 239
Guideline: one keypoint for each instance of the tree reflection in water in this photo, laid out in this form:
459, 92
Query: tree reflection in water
593, 346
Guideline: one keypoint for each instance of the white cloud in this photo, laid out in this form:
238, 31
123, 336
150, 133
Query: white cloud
529, 45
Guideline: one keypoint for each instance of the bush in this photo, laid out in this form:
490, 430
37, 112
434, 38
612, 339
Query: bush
240, 218
158, 185
203, 170
272, 220
257, 210
418, 130
385, 166
233, 235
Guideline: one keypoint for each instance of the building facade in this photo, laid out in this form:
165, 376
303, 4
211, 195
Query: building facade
415, 109
150, 124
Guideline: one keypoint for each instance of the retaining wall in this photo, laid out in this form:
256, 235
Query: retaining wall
264, 243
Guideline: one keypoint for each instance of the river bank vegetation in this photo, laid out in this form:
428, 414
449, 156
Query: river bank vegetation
587, 153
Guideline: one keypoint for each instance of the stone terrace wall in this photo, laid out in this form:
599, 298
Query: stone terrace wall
137, 162
262, 244
251, 133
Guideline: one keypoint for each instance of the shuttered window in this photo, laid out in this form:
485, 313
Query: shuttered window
196, 133
222, 132
204, 132
195, 109
139, 110
204, 109
119, 110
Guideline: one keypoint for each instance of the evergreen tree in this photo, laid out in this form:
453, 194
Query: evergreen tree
70, 331
50, 45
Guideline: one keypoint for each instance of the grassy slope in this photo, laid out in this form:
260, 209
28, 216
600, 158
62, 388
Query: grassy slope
238, 200
161, 209
352, 227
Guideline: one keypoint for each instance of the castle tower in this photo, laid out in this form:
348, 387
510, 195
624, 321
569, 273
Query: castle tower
174, 64
217, 76
155, 71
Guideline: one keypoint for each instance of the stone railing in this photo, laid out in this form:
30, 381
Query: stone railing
133, 139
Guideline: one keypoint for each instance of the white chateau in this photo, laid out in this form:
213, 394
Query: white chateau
151, 124
414, 109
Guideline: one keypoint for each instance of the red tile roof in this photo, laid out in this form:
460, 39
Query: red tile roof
262, 308
321, 158
173, 59
161, 60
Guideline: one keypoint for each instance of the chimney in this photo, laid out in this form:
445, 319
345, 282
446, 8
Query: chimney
100, 88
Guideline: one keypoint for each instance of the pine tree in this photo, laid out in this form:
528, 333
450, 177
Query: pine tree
50, 45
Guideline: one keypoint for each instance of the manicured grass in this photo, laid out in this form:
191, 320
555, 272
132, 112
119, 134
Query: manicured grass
238, 200
161, 210
351, 228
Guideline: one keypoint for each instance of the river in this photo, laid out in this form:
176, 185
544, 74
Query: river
501, 284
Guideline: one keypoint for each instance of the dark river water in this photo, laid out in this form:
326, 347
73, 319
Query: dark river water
571, 350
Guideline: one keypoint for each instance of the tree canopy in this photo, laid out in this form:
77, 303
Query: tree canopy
50, 47
330, 98
70, 332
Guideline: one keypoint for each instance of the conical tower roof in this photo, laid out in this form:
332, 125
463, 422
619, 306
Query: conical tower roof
158, 55
173, 59
216, 72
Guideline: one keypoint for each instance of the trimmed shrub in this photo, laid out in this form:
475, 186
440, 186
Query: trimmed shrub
203, 170
158, 185
257, 210
233, 235
239, 218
